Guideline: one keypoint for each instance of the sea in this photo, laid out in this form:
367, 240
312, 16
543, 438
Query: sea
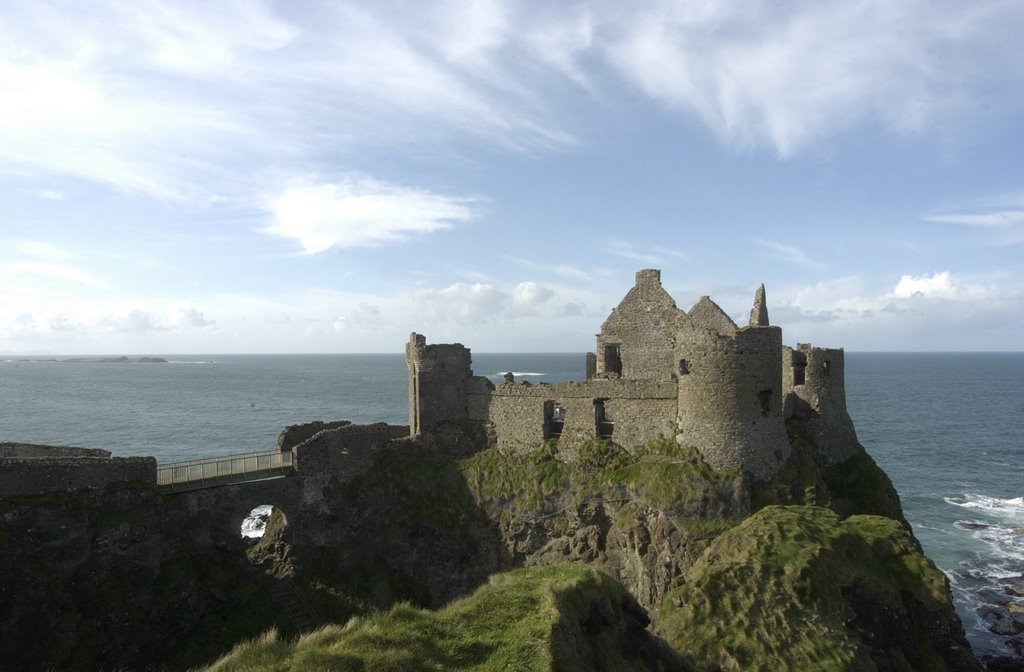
948, 428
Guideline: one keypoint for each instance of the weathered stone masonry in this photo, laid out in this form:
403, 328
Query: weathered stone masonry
657, 372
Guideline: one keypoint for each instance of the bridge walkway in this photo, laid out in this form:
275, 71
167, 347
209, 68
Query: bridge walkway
211, 472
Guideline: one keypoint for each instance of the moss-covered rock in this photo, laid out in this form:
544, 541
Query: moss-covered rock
794, 588
855, 486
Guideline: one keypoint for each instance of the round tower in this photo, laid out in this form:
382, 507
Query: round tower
731, 396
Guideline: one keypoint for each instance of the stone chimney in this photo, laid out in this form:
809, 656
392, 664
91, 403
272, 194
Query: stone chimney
759, 313
649, 277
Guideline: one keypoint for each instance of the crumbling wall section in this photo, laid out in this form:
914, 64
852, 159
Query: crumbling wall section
33, 476
820, 399
293, 435
345, 452
731, 399
638, 410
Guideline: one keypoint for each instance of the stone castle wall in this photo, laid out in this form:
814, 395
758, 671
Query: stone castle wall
8, 449
639, 410
34, 476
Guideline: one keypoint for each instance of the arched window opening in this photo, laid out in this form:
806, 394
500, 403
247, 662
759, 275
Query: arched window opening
554, 419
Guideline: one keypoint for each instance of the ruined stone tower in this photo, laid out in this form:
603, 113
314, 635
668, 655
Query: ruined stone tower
438, 375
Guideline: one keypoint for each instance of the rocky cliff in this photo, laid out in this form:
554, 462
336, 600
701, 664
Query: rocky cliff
814, 570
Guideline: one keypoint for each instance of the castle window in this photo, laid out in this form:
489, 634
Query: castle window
799, 367
826, 367
554, 419
612, 359
684, 368
604, 425
765, 399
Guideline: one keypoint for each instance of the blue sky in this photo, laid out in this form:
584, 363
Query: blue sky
218, 177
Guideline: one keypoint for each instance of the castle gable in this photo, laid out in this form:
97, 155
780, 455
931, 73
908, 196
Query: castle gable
637, 339
706, 313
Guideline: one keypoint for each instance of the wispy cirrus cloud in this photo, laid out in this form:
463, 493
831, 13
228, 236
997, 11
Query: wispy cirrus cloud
170, 99
645, 254
997, 219
789, 254
785, 76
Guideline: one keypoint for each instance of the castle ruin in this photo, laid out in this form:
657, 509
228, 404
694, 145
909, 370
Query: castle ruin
657, 371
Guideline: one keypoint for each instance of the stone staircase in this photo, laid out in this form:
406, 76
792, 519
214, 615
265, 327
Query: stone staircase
290, 601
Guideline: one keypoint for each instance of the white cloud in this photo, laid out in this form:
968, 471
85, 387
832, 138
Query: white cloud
928, 312
361, 212
463, 302
479, 301
190, 316
528, 296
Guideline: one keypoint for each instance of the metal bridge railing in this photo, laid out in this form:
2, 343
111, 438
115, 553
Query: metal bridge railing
194, 474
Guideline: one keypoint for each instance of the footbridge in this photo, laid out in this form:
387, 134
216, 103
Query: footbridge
224, 470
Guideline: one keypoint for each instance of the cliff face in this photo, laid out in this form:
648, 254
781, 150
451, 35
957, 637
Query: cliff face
423, 527
127, 578
118, 579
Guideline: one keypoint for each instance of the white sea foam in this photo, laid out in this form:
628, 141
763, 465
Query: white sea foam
1012, 509
255, 524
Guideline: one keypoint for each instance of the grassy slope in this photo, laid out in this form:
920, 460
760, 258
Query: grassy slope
794, 588
562, 617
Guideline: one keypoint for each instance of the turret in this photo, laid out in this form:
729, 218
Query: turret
439, 377
730, 390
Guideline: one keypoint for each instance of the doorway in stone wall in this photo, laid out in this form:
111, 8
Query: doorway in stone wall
604, 426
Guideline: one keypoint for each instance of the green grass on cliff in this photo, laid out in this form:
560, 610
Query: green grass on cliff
855, 486
659, 474
793, 588
565, 617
